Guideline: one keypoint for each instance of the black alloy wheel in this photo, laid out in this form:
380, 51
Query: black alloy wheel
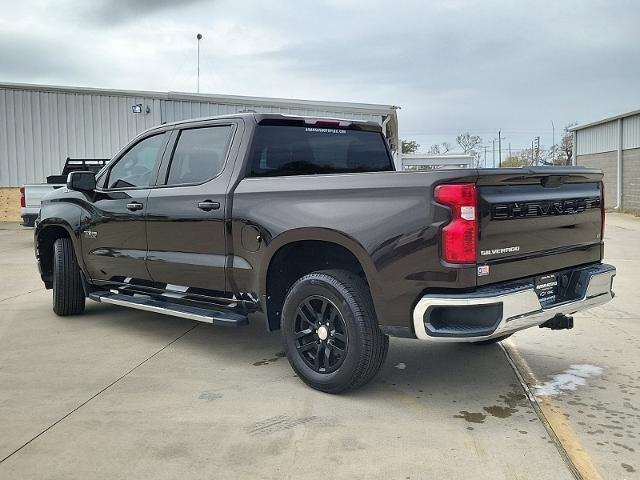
321, 336
330, 332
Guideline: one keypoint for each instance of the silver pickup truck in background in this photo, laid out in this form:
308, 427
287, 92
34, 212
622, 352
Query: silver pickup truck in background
31, 194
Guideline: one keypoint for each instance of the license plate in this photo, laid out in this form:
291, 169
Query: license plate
547, 287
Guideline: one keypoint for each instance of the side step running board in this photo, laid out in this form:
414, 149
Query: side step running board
143, 302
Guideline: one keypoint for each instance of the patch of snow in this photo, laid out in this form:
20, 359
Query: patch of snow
572, 378
401, 366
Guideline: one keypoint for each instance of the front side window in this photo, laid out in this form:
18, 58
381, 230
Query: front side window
293, 150
199, 154
136, 167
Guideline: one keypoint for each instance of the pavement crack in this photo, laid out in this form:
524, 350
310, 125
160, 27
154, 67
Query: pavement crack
21, 294
99, 392
581, 467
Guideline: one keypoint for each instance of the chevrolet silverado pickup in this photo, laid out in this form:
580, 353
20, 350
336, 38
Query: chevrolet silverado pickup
304, 222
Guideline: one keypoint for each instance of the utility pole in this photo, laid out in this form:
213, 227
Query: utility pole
509, 149
533, 160
500, 146
485, 156
537, 151
493, 152
198, 38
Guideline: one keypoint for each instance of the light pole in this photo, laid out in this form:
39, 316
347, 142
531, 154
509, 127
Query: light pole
198, 38
553, 143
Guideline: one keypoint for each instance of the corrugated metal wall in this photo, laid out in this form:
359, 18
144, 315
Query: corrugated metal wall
598, 148
173, 110
598, 139
631, 132
39, 129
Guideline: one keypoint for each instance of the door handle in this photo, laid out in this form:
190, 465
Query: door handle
133, 206
208, 205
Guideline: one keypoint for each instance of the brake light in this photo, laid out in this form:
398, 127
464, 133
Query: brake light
460, 237
22, 200
602, 212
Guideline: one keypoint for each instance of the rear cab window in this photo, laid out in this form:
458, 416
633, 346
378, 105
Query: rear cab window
306, 150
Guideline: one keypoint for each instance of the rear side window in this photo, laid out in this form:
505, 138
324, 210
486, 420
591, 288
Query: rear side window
292, 150
199, 154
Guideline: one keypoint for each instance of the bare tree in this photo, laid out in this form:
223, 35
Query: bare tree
468, 142
566, 146
470, 145
552, 156
439, 148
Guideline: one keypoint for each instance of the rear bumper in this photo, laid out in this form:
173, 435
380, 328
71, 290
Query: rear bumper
506, 308
29, 219
29, 215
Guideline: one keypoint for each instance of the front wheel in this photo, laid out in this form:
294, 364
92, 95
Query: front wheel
330, 331
68, 294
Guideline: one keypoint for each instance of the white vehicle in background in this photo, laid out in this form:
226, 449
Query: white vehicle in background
31, 195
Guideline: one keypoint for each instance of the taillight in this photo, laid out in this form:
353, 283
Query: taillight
22, 200
460, 237
602, 212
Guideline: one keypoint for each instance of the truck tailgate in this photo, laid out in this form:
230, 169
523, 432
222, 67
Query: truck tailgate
35, 192
537, 220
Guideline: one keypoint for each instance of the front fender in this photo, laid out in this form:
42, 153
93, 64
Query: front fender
64, 216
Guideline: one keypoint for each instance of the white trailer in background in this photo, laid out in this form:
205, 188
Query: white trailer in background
424, 161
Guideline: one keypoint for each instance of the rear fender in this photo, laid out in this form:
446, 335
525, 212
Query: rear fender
325, 235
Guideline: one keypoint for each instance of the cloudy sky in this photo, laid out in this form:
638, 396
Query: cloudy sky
452, 66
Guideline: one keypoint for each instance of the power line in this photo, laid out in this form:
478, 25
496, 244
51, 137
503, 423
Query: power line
472, 131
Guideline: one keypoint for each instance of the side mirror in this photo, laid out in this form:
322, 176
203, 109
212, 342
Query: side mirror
81, 181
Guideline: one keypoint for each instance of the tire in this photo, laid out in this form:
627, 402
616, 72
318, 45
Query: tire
491, 341
68, 294
351, 350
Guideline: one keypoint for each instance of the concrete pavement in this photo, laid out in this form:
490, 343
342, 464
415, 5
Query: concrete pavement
591, 374
118, 393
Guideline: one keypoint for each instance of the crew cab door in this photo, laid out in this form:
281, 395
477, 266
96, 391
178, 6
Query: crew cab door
114, 240
186, 234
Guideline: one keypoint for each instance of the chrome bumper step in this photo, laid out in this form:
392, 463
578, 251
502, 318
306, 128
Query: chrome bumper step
214, 316
499, 310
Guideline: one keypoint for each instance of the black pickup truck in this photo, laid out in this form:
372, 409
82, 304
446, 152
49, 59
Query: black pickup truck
305, 222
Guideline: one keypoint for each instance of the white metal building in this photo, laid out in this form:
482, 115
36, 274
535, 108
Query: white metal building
42, 125
613, 145
423, 161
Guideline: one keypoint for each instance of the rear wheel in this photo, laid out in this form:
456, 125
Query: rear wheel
330, 332
491, 341
68, 295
